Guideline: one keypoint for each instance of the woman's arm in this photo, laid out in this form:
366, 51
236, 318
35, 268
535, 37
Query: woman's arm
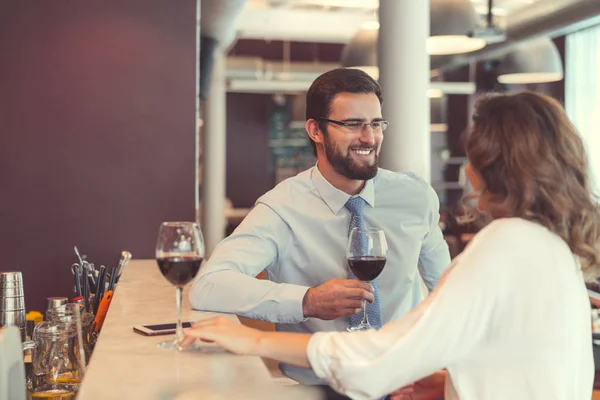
289, 348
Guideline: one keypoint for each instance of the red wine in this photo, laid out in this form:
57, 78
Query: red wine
179, 270
366, 268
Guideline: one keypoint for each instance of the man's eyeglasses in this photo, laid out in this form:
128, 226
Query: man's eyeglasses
357, 125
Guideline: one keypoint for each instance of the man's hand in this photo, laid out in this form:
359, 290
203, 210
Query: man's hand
336, 298
429, 388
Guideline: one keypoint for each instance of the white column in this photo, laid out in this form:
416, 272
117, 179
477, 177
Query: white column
214, 157
404, 78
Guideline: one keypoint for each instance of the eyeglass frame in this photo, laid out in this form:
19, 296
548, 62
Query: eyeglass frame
357, 128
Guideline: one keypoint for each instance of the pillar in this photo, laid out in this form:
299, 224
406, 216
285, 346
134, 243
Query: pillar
404, 77
213, 219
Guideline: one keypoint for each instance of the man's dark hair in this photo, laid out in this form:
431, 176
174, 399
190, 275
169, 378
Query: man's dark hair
331, 83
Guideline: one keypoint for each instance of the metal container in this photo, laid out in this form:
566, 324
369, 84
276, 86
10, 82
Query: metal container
11, 286
16, 318
10, 279
16, 291
55, 302
12, 303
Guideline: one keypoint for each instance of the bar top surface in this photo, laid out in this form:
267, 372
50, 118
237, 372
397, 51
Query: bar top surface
125, 364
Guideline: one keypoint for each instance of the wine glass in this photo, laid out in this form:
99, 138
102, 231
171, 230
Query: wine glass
179, 253
366, 255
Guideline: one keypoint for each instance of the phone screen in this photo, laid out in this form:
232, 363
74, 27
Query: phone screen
165, 327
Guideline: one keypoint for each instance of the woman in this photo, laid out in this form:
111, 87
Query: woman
510, 318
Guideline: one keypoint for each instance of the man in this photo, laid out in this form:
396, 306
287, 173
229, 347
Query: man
298, 231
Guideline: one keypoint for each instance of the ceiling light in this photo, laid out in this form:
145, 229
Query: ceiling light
535, 61
451, 22
453, 44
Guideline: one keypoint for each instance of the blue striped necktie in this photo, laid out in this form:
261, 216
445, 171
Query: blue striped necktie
356, 206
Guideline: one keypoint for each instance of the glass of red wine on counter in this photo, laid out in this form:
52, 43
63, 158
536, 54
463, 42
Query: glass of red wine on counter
179, 253
366, 255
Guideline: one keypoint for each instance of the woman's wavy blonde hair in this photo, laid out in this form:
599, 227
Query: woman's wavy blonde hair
533, 165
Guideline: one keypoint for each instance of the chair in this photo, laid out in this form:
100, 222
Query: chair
12, 367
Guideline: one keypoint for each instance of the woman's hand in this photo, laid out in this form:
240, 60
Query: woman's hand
230, 335
429, 388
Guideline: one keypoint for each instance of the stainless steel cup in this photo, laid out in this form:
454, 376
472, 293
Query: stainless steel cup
11, 284
10, 279
16, 318
12, 301
15, 303
16, 291
11, 292
55, 302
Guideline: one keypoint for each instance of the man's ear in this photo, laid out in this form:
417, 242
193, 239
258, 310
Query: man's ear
312, 128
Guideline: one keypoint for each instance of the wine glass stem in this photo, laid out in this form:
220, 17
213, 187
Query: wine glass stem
365, 320
179, 329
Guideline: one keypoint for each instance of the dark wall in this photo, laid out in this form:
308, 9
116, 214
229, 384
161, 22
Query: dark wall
248, 174
97, 132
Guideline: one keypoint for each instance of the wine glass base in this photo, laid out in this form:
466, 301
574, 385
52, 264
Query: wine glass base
360, 327
173, 344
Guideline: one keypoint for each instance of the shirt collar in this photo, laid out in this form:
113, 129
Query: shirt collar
335, 198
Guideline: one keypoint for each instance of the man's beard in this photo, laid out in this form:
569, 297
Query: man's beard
346, 166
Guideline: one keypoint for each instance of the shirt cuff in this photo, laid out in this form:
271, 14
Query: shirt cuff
291, 297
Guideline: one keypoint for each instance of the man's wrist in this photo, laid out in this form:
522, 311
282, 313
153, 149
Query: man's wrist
306, 304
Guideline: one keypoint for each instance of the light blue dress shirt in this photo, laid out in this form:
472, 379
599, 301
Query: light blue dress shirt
298, 232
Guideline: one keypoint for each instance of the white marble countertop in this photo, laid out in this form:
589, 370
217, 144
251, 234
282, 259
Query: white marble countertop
127, 365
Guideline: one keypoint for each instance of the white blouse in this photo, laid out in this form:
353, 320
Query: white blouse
510, 319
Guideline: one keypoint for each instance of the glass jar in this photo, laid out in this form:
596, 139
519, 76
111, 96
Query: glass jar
57, 368
66, 314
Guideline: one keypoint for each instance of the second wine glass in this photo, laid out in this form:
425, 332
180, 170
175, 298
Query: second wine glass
366, 255
179, 253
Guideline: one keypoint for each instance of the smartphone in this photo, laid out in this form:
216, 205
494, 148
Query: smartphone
160, 329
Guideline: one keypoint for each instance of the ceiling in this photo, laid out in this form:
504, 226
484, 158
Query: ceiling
501, 7
327, 21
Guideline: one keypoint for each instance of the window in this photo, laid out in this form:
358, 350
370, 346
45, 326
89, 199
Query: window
582, 92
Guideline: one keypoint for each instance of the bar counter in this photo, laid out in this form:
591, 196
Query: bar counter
127, 365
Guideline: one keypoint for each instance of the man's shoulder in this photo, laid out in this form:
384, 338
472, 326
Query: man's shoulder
289, 189
405, 181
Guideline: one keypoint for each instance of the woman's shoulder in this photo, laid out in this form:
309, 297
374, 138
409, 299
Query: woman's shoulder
514, 229
508, 238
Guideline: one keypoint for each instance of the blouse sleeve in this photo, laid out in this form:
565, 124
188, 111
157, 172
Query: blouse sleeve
452, 323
